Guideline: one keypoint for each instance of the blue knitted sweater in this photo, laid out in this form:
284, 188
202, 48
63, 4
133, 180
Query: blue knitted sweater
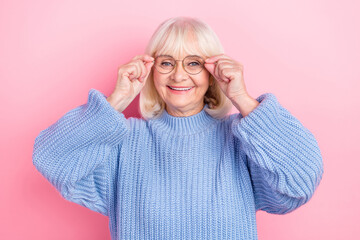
193, 177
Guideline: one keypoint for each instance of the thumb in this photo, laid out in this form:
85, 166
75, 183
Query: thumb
148, 66
210, 67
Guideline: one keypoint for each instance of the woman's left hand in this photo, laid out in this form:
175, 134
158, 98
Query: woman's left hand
229, 74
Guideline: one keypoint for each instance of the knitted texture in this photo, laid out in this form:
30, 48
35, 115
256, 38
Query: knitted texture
193, 177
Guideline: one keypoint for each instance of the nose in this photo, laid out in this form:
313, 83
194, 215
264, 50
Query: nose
179, 72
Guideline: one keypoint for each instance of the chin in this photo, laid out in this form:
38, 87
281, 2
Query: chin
178, 106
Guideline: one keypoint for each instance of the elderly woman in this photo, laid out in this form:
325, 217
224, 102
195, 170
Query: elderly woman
187, 170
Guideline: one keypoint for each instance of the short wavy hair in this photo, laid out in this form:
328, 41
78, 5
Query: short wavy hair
172, 36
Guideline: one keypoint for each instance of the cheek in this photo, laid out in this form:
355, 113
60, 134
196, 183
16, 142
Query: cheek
204, 81
158, 79
159, 86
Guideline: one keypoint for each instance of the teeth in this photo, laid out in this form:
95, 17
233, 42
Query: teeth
180, 89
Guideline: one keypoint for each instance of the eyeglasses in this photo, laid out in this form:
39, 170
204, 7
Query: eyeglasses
192, 64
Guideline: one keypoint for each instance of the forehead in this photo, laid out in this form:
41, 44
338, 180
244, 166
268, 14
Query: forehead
179, 49
181, 57
182, 54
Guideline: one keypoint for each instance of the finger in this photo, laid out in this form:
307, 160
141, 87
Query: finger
226, 64
138, 67
146, 69
128, 71
137, 57
135, 71
217, 68
216, 58
221, 67
225, 60
148, 66
230, 61
144, 57
142, 68
148, 58
227, 74
213, 58
210, 67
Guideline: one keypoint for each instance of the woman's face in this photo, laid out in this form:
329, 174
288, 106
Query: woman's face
182, 103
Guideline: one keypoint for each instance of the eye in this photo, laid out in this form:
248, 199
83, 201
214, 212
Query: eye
167, 64
194, 64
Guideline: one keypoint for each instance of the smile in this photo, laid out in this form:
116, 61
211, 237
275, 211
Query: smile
180, 90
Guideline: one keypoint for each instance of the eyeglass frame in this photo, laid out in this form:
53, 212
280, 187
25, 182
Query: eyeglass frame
176, 60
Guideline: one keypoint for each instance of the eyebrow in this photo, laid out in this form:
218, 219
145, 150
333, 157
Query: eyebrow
166, 55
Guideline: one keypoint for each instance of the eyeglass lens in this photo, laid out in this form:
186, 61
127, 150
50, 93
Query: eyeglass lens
192, 64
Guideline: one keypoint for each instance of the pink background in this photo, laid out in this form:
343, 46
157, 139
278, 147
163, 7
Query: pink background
52, 52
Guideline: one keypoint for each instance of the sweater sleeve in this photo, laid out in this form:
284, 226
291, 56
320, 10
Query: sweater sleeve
77, 154
283, 157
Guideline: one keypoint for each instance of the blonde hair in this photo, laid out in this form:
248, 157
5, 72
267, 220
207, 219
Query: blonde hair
172, 36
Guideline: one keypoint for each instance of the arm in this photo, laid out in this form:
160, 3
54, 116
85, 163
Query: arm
283, 157
78, 153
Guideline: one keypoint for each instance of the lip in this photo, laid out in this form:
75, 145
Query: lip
180, 92
179, 86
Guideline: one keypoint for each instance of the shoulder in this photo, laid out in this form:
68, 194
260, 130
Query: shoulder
229, 119
225, 124
135, 123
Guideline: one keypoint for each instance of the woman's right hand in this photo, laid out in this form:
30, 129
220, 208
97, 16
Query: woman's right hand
131, 79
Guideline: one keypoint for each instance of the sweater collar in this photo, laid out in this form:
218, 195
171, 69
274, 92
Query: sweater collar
184, 125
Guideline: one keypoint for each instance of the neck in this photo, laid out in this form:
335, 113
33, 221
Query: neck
179, 112
172, 125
